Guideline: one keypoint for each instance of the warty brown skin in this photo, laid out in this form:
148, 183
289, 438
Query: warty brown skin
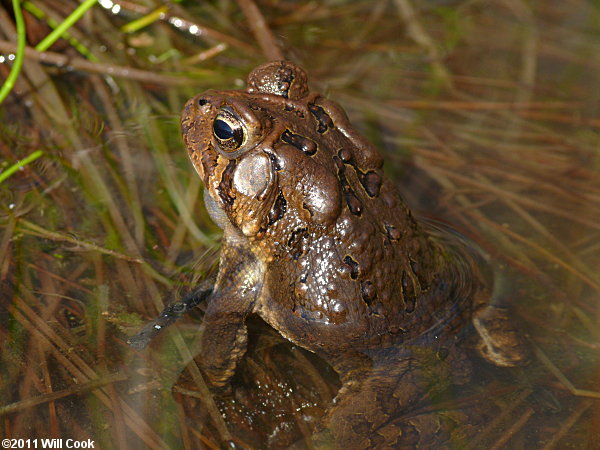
316, 239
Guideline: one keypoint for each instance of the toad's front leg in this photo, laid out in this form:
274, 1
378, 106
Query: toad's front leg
223, 342
230, 301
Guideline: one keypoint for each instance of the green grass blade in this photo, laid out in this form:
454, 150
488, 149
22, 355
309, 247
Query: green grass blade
65, 25
22, 163
16, 68
142, 22
37, 12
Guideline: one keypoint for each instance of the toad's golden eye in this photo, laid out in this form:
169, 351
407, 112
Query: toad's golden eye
229, 132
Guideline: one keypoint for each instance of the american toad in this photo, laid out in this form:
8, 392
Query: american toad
318, 243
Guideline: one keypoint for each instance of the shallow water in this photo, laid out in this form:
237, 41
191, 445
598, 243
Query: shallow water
498, 137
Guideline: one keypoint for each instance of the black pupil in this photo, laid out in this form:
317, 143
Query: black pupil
222, 129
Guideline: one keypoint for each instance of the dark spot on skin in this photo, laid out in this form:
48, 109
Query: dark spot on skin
371, 181
353, 267
338, 163
392, 232
303, 278
367, 291
295, 242
410, 303
416, 269
302, 143
297, 234
292, 108
345, 155
224, 190
275, 162
322, 117
352, 200
202, 102
278, 209
285, 83
307, 208
284, 89
408, 290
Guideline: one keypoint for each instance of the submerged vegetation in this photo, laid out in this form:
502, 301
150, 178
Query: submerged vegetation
487, 113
